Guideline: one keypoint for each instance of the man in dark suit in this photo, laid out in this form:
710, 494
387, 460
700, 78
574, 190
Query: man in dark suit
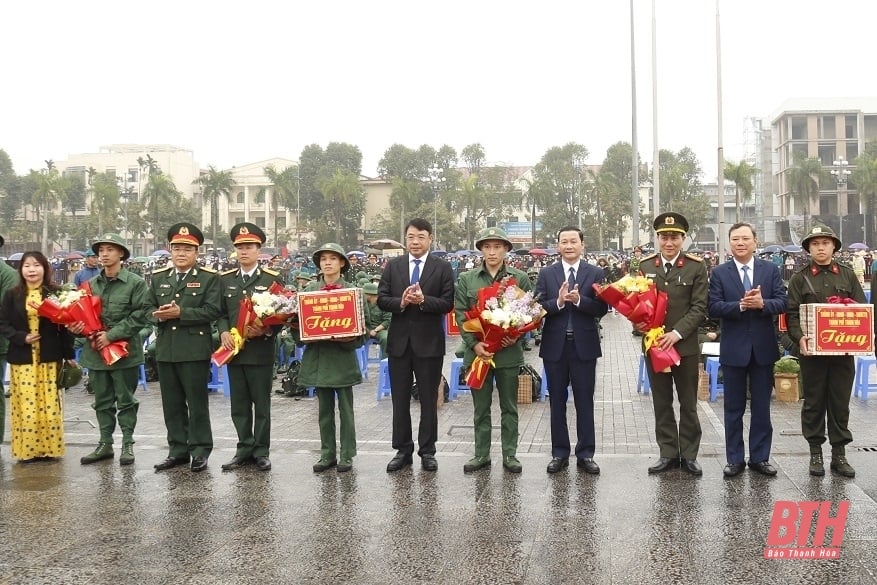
746, 293
418, 290
684, 278
570, 347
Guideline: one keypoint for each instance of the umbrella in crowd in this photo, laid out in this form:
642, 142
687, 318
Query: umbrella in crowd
793, 248
16, 256
160, 253
140, 259
538, 252
773, 249
357, 253
74, 256
385, 244
440, 253
858, 246
522, 252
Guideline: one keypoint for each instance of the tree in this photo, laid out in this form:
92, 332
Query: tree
864, 178
284, 186
742, 174
342, 190
160, 193
50, 190
316, 167
535, 196
104, 201
214, 184
803, 180
561, 174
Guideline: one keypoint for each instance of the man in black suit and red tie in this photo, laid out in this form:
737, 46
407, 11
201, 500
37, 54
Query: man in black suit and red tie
419, 291
570, 347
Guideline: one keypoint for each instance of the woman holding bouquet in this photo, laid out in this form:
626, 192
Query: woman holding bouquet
331, 366
37, 347
494, 244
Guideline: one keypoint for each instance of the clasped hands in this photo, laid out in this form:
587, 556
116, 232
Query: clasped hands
752, 299
567, 295
412, 296
98, 340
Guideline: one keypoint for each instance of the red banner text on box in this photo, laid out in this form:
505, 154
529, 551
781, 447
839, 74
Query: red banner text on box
451, 324
330, 314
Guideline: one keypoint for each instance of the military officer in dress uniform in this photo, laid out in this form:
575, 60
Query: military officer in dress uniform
828, 380
684, 278
495, 245
251, 371
184, 300
123, 295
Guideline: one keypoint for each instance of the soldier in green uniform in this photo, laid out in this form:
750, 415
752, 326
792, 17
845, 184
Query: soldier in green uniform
684, 278
123, 314
251, 371
331, 366
377, 320
8, 280
494, 244
828, 380
184, 300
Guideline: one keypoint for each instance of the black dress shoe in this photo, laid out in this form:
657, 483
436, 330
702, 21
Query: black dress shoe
556, 464
589, 465
691, 466
171, 462
236, 462
428, 463
732, 469
664, 464
763, 467
263, 463
398, 462
198, 464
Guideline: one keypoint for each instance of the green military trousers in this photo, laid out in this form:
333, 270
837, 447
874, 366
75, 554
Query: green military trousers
507, 389
326, 416
114, 400
251, 407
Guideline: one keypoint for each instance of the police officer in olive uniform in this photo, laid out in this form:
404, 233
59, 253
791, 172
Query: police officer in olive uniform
251, 371
495, 245
123, 296
684, 278
828, 380
184, 300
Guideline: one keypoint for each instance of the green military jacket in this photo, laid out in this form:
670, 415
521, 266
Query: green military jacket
8, 280
687, 288
376, 316
257, 350
824, 281
465, 297
123, 314
187, 339
330, 364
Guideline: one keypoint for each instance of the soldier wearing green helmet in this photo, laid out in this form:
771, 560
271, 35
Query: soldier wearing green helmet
495, 245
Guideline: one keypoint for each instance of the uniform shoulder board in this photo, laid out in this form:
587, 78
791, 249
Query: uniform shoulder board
271, 272
694, 257
208, 269
160, 270
649, 257
230, 271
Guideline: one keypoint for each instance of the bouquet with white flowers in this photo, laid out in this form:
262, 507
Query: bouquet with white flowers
503, 310
273, 308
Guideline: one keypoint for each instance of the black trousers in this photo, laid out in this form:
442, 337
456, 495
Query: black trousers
428, 371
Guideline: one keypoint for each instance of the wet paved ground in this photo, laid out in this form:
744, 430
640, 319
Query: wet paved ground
64, 523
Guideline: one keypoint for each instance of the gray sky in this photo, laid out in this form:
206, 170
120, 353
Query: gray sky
245, 81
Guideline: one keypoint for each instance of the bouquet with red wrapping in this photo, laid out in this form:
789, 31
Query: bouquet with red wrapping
69, 306
246, 317
276, 306
502, 310
638, 299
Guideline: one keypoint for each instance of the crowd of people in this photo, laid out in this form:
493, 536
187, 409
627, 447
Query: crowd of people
188, 307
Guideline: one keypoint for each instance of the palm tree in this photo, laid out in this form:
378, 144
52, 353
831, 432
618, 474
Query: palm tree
403, 195
471, 194
864, 177
104, 197
160, 191
742, 175
214, 184
533, 197
339, 191
600, 188
803, 181
284, 187
51, 188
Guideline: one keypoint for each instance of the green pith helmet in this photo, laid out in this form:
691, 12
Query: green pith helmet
116, 240
821, 231
335, 249
492, 233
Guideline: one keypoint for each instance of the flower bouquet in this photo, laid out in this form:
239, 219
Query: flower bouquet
68, 306
639, 300
502, 310
276, 306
